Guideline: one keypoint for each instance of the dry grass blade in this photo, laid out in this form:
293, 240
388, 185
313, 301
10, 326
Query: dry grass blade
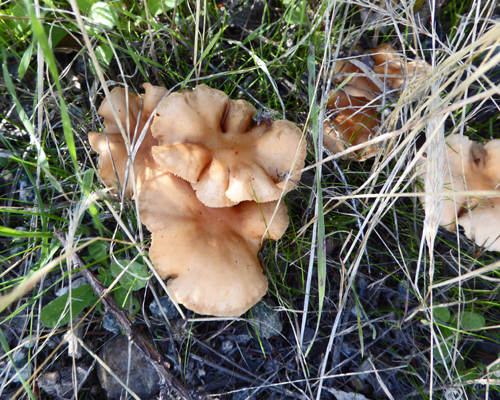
368, 295
167, 381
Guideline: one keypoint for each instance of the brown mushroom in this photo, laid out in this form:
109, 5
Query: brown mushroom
110, 145
210, 254
354, 107
353, 122
211, 141
390, 64
358, 86
470, 166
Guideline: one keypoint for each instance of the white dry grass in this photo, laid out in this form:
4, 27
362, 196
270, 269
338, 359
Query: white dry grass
423, 106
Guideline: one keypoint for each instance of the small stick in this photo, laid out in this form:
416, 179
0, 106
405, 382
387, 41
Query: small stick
168, 382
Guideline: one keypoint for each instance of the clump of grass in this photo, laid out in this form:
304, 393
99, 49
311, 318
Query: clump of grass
362, 278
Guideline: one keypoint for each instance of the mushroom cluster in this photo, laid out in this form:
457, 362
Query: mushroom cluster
354, 109
208, 180
470, 166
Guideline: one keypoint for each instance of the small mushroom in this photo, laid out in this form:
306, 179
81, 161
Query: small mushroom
358, 86
354, 107
110, 145
211, 141
210, 254
390, 64
471, 166
353, 122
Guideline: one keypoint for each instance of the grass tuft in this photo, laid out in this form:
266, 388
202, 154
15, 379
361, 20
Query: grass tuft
375, 298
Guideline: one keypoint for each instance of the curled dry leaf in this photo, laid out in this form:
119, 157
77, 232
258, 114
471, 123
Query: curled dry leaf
209, 253
210, 141
471, 166
354, 109
133, 112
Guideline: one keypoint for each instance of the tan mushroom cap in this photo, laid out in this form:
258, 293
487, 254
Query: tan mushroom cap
210, 141
116, 153
211, 254
353, 122
472, 167
363, 86
390, 64
358, 86
482, 225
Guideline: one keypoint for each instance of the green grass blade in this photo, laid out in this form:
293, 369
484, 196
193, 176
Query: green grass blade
51, 64
25, 60
9, 232
320, 226
212, 43
6, 348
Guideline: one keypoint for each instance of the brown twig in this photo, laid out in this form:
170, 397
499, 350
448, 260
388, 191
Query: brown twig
168, 382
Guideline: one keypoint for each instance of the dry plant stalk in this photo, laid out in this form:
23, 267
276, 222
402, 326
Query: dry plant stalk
167, 380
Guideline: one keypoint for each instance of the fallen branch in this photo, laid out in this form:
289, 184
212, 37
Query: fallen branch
168, 382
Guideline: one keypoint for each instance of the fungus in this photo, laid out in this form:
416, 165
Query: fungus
387, 65
113, 159
355, 117
210, 141
353, 123
210, 254
358, 85
390, 64
472, 167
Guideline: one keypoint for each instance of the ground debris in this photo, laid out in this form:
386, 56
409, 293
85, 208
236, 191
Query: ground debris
60, 383
130, 366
